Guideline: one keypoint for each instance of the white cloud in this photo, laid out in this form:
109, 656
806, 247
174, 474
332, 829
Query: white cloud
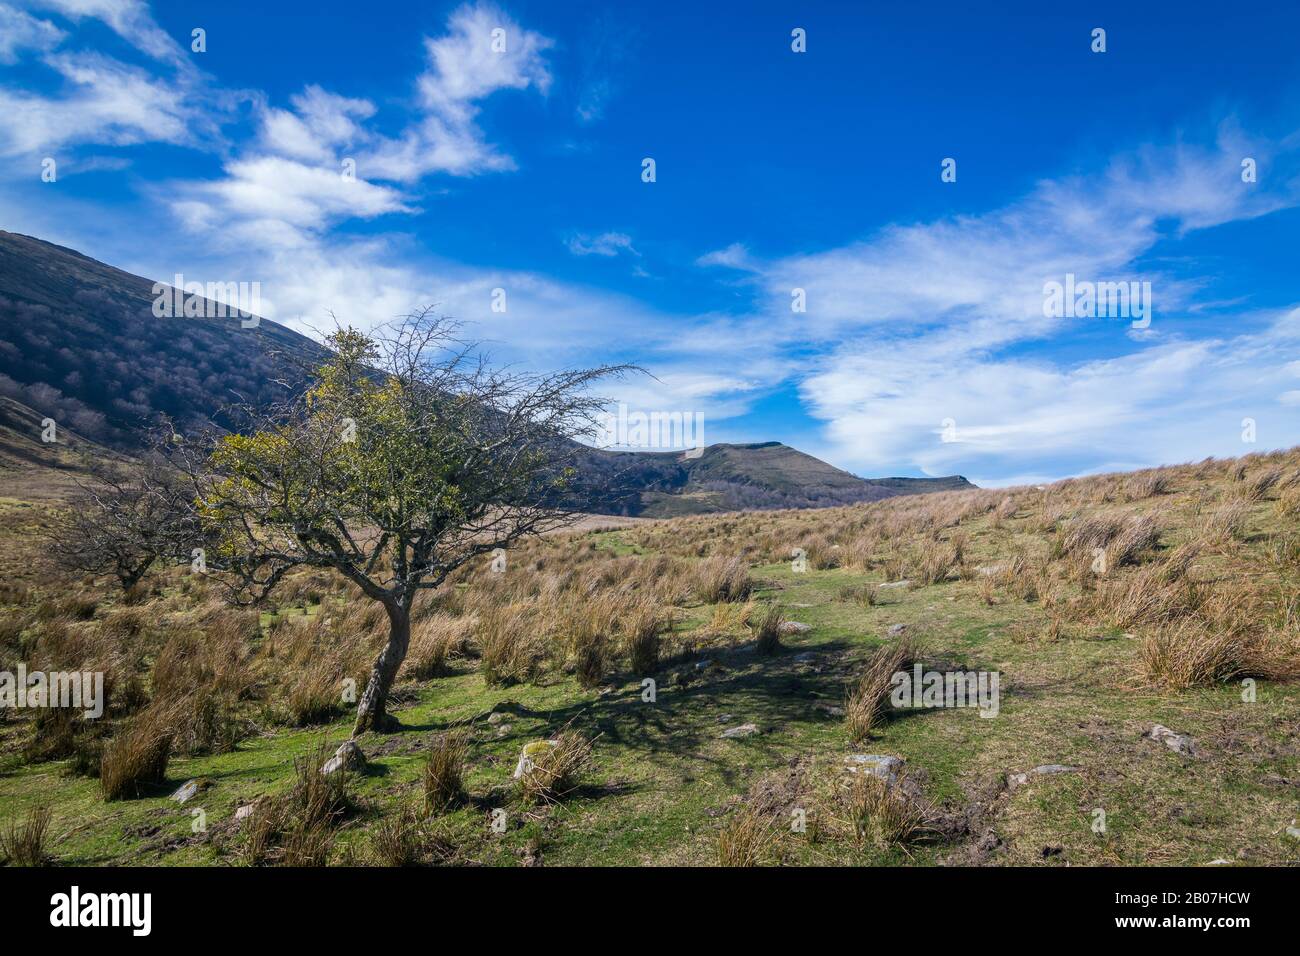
734, 256
107, 103
463, 68
129, 19
318, 125
606, 244
21, 31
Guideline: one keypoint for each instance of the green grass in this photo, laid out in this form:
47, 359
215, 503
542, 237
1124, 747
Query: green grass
662, 780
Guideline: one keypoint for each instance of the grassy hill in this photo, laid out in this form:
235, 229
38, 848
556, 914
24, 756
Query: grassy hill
1109, 607
79, 343
735, 477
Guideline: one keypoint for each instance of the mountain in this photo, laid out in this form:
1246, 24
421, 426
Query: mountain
80, 344
734, 477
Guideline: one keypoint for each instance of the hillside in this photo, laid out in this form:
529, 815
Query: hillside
758, 476
79, 343
1147, 708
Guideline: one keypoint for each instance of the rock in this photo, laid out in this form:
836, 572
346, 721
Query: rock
826, 707
188, 791
896, 629
1019, 779
988, 570
884, 766
896, 584
1219, 862
496, 718
795, 627
1293, 831
744, 730
1178, 743
503, 729
348, 757
529, 754
724, 718
244, 812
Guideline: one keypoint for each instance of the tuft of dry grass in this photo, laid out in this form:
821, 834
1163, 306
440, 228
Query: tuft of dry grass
722, 579
555, 770
642, 638
444, 771
882, 813
406, 838
767, 634
864, 595
24, 844
297, 828
511, 648
1186, 653
136, 758
745, 839
867, 699
434, 639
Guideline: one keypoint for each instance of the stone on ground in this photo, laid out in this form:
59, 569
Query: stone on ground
347, 757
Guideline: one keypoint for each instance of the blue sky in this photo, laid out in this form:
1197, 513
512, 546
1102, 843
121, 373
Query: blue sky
775, 170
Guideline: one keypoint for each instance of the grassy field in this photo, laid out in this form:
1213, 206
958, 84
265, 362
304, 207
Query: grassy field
1105, 605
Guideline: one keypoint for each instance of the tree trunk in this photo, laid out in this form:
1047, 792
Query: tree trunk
371, 712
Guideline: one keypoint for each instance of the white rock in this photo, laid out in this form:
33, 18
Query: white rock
530, 751
347, 757
795, 627
187, 791
744, 730
884, 766
1178, 743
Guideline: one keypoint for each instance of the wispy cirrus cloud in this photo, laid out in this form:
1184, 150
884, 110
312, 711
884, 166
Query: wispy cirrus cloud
21, 31
104, 102
607, 244
129, 19
937, 322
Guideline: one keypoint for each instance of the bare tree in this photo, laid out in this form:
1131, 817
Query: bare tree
405, 458
124, 519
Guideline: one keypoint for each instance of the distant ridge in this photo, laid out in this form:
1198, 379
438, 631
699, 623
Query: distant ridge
79, 343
